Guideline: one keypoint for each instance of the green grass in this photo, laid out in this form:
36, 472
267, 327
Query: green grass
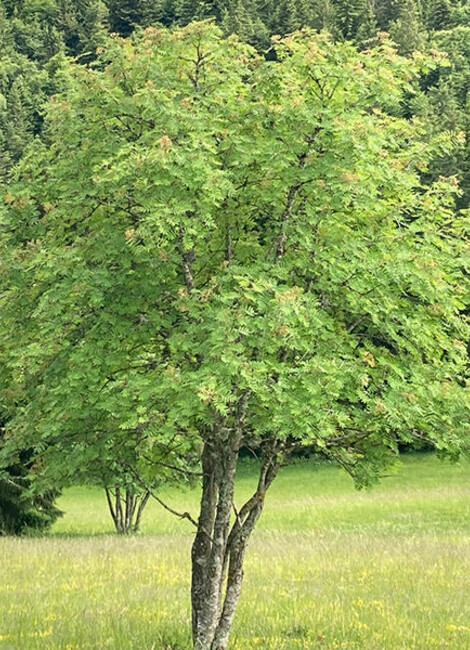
328, 567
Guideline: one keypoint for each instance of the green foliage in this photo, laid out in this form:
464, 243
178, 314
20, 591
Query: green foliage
324, 16
40, 29
445, 102
368, 26
23, 509
189, 10
20, 511
388, 11
240, 19
24, 88
228, 225
287, 17
407, 30
438, 14
126, 15
33, 38
349, 16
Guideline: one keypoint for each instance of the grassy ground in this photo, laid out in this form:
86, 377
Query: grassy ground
328, 568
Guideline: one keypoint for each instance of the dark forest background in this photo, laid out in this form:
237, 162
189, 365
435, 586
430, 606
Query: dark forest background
35, 35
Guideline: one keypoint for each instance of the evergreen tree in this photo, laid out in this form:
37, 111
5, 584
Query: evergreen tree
6, 36
387, 11
122, 16
126, 15
286, 18
348, 16
82, 24
22, 508
151, 12
448, 103
241, 20
368, 27
324, 16
23, 90
190, 10
407, 30
438, 14
460, 14
21, 512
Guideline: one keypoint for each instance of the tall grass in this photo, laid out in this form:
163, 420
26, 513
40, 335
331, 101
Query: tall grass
328, 567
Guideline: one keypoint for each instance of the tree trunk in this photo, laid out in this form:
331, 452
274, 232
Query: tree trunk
221, 539
126, 510
140, 509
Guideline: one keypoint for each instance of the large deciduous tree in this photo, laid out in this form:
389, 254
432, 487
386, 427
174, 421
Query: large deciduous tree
218, 251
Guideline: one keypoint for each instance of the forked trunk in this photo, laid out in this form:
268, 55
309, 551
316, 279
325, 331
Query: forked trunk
222, 536
126, 509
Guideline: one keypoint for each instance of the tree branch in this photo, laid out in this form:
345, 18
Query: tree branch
180, 515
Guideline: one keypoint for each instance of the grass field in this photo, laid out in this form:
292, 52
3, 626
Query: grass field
328, 568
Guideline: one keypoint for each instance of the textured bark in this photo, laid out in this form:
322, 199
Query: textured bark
211, 540
236, 546
220, 543
188, 259
110, 505
201, 547
140, 509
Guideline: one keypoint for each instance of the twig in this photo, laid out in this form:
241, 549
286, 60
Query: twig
181, 515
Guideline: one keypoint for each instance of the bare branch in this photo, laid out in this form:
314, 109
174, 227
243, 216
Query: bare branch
356, 323
281, 240
181, 515
228, 245
188, 258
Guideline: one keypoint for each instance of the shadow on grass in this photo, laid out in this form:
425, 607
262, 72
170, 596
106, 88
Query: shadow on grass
77, 534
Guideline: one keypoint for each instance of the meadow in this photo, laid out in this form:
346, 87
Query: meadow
328, 567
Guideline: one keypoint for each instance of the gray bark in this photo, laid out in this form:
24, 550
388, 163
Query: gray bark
126, 511
140, 509
220, 542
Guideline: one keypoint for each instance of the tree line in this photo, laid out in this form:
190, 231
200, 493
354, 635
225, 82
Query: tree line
35, 36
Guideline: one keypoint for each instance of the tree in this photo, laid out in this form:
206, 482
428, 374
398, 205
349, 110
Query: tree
31, 50
349, 14
438, 14
23, 512
324, 12
22, 508
130, 470
445, 105
460, 14
126, 15
82, 25
239, 253
189, 10
368, 27
387, 11
24, 88
286, 17
242, 20
407, 30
